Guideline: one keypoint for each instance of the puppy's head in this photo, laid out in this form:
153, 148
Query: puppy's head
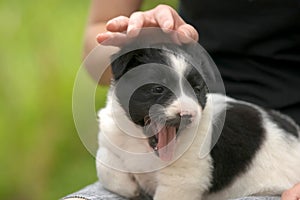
160, 92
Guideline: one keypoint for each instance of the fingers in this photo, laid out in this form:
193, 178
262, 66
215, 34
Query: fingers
118, 24
112, 39
162, 16
136, 22
102, 37
292, 194
166, 17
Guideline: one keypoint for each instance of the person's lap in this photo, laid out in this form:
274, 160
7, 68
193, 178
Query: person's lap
97, 192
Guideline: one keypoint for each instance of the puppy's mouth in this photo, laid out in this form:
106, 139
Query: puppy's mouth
162, 137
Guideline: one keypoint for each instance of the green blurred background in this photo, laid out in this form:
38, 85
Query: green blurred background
41, 155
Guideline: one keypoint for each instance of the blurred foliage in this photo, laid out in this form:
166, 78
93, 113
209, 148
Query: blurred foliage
41, 155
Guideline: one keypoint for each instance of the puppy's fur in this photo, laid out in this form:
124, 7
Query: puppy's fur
257, 153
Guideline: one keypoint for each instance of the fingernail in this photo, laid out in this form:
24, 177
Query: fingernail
131, 31
129, 28
187, 34
99, 35
185, 37
110, 21
109, 24
167, 25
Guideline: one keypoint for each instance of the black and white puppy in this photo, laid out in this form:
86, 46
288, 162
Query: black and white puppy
257, 153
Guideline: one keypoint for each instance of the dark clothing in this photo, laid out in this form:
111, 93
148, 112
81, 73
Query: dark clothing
256, 46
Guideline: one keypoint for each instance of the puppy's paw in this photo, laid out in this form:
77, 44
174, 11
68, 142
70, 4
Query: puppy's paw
121, 183
118, 182
126, 186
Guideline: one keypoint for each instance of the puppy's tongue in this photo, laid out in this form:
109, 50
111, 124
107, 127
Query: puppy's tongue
166, 143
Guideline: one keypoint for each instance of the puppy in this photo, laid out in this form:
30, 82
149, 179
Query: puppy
159, 118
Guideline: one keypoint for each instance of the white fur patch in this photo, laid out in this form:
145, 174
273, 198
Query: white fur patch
178, 64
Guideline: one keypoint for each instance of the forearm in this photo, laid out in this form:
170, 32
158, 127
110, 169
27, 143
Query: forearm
100, 12
92, 30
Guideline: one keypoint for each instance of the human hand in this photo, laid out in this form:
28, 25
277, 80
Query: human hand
121, 28
292, 194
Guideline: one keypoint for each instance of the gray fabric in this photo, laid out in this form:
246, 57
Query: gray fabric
96, 192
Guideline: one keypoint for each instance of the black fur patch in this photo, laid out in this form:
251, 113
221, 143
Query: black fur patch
142, 98
197, 83
123, 62
283, 122
241, 137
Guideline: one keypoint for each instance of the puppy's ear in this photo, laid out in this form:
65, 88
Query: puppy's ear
122, 63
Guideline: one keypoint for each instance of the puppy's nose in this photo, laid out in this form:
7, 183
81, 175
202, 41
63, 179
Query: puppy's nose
185, 113
186, 119
186, 116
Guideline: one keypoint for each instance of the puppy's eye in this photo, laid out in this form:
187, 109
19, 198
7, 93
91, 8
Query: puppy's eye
157, 90
198, 88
